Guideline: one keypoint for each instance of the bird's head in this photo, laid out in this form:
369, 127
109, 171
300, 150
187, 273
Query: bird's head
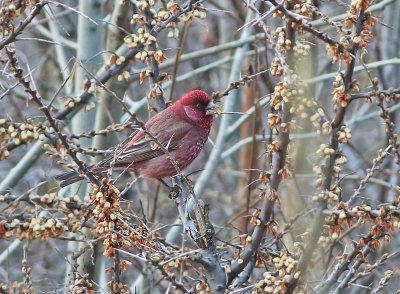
197, 108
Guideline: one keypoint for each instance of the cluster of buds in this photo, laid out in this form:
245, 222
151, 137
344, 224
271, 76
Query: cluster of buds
62, 202
272, 228
54, 199
344, 135
324, 151
365, 36
173, 33
303, 7
115, 59
339, 162
278, 14
158, 55
302, 108
156, 90
71, 102
145, 38
382, 220
299, 110
282, 92
246, 240
117, 287
328, 239
327, 127
283, 43
273, 120
124, 76
340, 96
163, 15
333, 225
141, 238
41, 225
145, 4
81, 285
332, 196
20, 133
145, 55
112, 223
317, 119
32, 228
13, 287
273, 147
122, 266
276, 283
57, 151
390, 129
320, 173
191, 15
202, 288
388, 98
9, 12
157, 17
90, 86
285, 264
355, 7
150, 17
338, 53
108, 215
268, 285
175, 265
139, 19
255, 217
276, 67
337, 168
301, 49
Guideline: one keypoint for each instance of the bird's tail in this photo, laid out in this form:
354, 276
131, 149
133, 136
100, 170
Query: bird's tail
69, 178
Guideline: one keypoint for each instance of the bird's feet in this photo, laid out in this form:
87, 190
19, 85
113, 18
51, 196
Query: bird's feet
174, 191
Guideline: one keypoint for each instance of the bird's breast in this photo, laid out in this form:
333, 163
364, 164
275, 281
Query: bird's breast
188, 152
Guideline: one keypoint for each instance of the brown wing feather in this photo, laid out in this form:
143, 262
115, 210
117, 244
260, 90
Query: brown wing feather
143, 147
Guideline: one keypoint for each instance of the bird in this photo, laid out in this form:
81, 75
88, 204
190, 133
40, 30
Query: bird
182, 129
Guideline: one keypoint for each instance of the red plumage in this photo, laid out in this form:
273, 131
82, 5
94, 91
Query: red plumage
182, 128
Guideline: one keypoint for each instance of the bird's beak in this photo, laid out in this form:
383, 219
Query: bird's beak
213, 109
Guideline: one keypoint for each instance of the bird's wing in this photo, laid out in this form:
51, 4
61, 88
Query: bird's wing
141, 147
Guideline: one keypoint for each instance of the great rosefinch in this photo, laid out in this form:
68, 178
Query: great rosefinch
182, 128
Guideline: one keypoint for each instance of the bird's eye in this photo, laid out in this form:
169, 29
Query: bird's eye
199, 106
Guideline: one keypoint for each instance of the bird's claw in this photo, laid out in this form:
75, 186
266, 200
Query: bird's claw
174, 192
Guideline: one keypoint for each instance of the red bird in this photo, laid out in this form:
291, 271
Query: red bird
182, 128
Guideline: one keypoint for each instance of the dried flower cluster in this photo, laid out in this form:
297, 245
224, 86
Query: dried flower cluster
275, 282
151, 16
112, 223
10, 10
81, 284
382, 223
20, 133
31, 226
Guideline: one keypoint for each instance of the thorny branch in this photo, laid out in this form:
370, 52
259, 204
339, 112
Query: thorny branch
330, 162
278, 160
38, 100
17, 31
